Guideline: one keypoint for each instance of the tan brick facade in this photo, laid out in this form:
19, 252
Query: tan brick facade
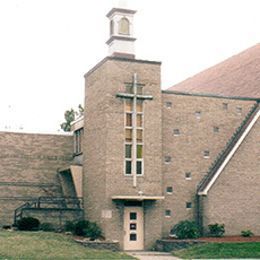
196, 135
29, 168
234, 198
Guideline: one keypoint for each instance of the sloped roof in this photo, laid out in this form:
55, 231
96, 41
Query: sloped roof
237, 76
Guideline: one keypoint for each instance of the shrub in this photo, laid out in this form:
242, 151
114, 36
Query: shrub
216, 230
69, 226
80, 228
28, 224
47, 227
246, 233
185, 229
93, 231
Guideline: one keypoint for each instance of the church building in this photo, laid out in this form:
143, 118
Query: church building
142, 158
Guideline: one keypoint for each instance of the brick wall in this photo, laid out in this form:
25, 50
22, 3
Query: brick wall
234, 198
104, 144
186, 149
28, 168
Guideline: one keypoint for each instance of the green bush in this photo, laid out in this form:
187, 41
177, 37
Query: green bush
80, 228
47, 227
28, 224
93, 231
216, 230
69, 226
84, 228
246, 233
185, 229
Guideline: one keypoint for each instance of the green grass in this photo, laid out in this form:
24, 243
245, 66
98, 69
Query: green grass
220, 250
47, 245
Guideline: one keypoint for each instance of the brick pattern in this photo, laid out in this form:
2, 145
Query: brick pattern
187, 150
234, 198
104, 144
29, 164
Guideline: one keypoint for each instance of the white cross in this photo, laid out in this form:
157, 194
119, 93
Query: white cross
134, 96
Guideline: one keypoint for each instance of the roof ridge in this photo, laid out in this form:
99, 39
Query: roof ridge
215, 166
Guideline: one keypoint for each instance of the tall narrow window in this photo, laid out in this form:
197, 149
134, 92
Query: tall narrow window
130, 116
78, 135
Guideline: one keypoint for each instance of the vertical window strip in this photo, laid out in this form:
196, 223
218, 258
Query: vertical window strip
129, 137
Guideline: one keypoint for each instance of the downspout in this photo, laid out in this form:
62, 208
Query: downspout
199, 213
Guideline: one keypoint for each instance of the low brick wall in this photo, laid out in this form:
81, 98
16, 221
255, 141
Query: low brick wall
113, 246
166, 245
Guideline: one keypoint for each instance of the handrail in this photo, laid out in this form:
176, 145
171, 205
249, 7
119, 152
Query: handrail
230, 144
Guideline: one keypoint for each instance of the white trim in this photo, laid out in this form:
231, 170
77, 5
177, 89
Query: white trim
228, 158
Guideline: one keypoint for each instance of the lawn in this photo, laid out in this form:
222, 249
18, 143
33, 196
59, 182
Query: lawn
47, 245
220, 250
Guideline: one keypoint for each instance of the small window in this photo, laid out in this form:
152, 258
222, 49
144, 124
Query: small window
168, 213
225, 106
128, 167
139, 120
128, 151
198, 114
133, 226
215, 129
133, 216
139, 135
239, 110
176, 132
133, 237
188, 175
128, 135
139, 151
206, 154
169, 190
168, 104
139, 167
129, 119
188, 205
167, 159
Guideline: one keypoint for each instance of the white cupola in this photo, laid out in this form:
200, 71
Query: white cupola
121, 41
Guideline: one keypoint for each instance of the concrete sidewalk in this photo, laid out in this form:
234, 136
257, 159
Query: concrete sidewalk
152, 255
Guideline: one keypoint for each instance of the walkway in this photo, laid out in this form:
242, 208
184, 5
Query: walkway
152, 255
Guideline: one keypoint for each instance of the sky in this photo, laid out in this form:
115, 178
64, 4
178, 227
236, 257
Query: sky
46, 47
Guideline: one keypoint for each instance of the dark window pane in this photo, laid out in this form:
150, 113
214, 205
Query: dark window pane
133, 237
128, 151
168, 213
139, 168
169, 189
139, 151
128, 167
188, 205
132, 226
133, 216
128, 119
